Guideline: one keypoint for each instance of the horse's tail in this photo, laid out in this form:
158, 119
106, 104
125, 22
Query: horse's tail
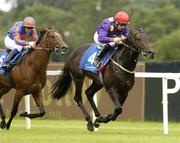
60, 87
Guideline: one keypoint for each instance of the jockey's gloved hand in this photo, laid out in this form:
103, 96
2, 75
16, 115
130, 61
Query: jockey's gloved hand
117, 39
122, 38
31, 44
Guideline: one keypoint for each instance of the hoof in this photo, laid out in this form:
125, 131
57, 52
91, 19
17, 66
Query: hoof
24, 114
90, 127
7, 126
96, 124
2, 125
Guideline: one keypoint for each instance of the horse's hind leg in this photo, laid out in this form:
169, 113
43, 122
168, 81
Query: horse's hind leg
90, 94
17, 98
39, 102
37, 95
3, 117
78, 99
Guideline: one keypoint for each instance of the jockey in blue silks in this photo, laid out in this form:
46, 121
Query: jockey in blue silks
17, 36
111, 31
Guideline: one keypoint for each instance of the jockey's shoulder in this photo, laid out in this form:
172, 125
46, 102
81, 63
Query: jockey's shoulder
107, 21
111, 19
19, 24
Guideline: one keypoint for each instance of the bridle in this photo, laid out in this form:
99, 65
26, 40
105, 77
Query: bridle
51, 49
54, 49
136, 49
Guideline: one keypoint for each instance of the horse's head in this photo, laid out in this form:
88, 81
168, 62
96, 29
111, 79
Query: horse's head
52, 40
140, 42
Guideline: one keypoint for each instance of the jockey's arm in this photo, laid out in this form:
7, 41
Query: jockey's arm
102, 36
34, 35
34, 38
17, 38
122, 37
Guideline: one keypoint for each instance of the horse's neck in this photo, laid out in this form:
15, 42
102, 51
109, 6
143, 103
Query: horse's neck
40, 60
127, 58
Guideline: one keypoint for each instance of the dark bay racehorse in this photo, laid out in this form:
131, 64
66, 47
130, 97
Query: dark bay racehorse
118, 77
30, 74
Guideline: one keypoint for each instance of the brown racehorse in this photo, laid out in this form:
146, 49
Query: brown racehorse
30, 74
118, 77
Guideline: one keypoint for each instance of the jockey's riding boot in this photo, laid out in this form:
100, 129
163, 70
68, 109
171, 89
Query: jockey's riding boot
101, 54
11, 55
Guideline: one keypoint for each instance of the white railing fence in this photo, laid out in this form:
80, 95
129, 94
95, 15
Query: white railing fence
165, 91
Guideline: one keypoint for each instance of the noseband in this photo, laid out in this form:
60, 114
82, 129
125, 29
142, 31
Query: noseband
51, 49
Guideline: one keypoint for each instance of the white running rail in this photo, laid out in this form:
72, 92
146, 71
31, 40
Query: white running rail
165, 91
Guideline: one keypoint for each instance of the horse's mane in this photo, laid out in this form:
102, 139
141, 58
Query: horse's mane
42, 32
40, 36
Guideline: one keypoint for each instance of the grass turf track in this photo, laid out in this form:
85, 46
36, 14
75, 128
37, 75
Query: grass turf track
74, 131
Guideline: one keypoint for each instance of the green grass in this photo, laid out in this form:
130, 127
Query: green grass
74, 131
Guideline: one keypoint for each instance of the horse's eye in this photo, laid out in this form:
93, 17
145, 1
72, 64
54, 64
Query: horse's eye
138, 38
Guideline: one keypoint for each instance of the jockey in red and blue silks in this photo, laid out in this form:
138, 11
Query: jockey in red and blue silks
17, 36
110, 31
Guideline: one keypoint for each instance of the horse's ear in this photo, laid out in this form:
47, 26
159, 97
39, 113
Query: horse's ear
47, 28
131, 14
50, 28
140, 29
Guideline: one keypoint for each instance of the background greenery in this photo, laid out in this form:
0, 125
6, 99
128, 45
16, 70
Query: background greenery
77, 20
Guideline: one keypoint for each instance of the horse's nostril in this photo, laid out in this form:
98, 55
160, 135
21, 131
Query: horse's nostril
150, 54
65, 50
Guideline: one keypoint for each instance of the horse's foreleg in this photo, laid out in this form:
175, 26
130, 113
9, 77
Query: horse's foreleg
17, 98
38, 100
3, 117
121, 98
118, 108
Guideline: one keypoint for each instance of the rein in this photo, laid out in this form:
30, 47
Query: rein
54, 49
133, 49
121, 67
48, 49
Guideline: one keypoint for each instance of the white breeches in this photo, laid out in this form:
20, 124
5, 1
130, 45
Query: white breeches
100, 45
10, 44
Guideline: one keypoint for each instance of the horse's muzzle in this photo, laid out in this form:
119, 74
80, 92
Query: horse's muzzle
64, 50
150, 54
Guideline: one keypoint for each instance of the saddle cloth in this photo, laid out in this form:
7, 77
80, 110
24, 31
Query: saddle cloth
91, 54
16, 59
